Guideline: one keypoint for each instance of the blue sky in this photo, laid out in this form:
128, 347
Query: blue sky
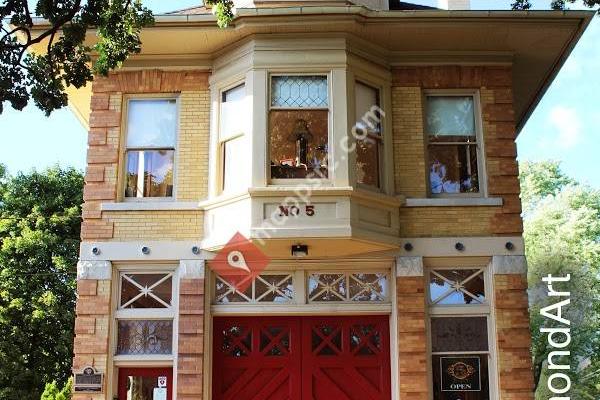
563, 127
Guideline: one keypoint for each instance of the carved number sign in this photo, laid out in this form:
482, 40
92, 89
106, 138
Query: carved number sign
88, 381
294, 211
460, 374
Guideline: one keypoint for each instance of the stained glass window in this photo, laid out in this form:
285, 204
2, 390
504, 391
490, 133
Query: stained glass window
141, 337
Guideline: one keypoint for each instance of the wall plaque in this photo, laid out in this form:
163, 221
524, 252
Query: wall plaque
89, 380
460, 374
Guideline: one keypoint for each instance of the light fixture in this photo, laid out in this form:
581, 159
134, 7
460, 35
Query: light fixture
299, 250
196, 250
509, 246
95, 251
146, 250
459, 246
408, 246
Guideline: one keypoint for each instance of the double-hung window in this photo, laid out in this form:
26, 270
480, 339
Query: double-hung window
150, 147
145, 314
454, 144
368, 135
231, 136
461, 356
299, 127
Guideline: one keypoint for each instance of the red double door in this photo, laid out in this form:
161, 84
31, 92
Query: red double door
301, 358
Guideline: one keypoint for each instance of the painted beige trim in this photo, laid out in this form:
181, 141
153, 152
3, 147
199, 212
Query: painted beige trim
131, 251
509, 265
96, 269
302, 309
454, 202
151, 206
474, 246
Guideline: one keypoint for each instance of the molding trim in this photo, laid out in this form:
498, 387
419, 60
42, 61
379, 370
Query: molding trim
454, 202
98, 270
409, 266
191, 269
507, 265
481, 246
132, 251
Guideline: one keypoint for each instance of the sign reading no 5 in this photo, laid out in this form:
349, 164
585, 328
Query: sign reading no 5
295, 211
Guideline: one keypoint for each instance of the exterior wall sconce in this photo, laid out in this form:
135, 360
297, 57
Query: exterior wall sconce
459, 246
196, 250
96, 251
299, 250
145, 250
509, 246
408, 246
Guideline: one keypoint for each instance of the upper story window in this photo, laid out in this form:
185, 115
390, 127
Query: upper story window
453, 144
369, 139
299, 127
231, 137
150, 147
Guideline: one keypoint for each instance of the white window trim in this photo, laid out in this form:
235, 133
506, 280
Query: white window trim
485, 310
123, 151
481, 160
330, 170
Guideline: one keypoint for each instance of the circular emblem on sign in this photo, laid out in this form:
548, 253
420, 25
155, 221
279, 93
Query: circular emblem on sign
89, 371
460, 370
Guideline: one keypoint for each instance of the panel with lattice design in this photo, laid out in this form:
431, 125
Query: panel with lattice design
299, 91
266, 288
348, 287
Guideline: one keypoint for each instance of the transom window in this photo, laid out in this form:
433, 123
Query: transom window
299, 127
461, 359
454, 156
150, 147
266, 288
457, 286
369, 138
145, 313
354, 287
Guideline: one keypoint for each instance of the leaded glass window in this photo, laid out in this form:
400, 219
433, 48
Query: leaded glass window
453, 144
299, 91
143, 337
299, 127
347, 287
265, 288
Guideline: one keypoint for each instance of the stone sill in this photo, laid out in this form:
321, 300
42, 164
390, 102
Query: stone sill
455, 202
151, 206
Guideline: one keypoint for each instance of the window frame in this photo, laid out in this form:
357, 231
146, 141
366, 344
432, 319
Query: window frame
222, 140
167, 314
300, 181
479, 140
485, 310
122, 184
381, 140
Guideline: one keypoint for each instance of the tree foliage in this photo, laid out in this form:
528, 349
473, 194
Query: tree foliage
52, 392
562, 236
39, 240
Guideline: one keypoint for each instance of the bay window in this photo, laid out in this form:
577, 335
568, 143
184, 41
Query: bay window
150, 147
459, 330
454, 156
369, 139
299, 127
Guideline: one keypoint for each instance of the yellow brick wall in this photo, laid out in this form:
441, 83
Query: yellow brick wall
445, 221
105, 149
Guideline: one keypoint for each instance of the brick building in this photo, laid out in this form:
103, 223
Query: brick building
378, 138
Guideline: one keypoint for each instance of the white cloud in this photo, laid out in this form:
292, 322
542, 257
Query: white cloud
568, 124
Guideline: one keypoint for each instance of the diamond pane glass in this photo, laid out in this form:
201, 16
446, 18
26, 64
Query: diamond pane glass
459, 334
460, 286
138, 337
226, 293
146, 290
327, 287
368, 287
274, 288
299, 91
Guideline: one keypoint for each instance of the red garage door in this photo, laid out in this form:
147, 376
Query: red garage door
301, 358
